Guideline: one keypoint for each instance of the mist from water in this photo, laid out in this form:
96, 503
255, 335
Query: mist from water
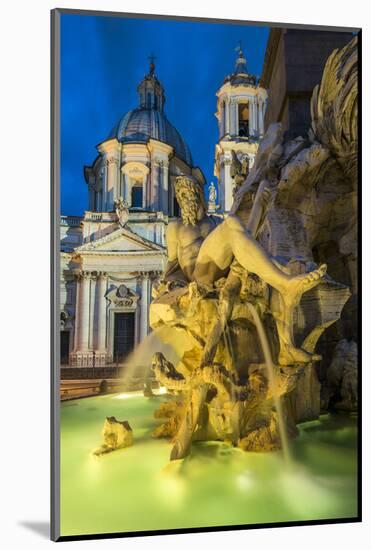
172, 342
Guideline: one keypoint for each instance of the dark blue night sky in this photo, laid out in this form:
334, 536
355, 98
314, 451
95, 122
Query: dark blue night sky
103, 59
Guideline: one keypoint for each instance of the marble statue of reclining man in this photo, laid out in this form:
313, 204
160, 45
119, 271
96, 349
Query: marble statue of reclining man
202, 248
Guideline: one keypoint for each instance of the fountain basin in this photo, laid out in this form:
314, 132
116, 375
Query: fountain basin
137, 489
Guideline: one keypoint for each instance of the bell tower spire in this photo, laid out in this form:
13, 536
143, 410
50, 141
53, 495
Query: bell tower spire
241, 63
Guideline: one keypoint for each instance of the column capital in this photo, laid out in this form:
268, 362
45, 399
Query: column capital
155, 274
83, 275
110, 160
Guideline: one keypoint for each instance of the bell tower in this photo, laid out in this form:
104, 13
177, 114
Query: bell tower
241, 105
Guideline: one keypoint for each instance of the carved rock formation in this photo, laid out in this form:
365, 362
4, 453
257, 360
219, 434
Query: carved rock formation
116, 435
298, 203
340, 389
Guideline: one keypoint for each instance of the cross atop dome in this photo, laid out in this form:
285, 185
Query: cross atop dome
152, 64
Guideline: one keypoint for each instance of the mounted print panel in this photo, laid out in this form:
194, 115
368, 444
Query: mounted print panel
205, 188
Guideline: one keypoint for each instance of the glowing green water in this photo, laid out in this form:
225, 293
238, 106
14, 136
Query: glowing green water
138, 489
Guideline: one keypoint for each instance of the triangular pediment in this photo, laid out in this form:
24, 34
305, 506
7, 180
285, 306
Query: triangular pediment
121, 240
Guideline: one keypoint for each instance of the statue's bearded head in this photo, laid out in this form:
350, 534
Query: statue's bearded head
190, 197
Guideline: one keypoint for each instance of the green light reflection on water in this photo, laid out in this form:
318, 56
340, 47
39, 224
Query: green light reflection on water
138, 489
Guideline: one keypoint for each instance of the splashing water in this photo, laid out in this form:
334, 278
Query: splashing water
167, 340
272, 381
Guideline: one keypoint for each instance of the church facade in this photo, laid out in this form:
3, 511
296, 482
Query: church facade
111, 256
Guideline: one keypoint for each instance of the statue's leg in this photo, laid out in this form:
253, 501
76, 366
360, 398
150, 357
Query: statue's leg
283, 316
252, 256
230, 239
227, 297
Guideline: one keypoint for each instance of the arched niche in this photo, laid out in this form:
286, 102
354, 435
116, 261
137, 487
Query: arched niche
135, 175
243, 118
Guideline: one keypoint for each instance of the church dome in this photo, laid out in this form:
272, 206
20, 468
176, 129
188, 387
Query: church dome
141, 124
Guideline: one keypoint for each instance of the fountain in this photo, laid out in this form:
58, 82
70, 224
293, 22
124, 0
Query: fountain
242, 300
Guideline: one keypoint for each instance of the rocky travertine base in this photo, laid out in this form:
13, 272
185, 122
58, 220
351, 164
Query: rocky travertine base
305, 399
231, 399
264, 438
116, 435
244, 325
340, 389
215, 404
173, 412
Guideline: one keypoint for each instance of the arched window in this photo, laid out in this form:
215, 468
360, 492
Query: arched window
137, 195
243, 119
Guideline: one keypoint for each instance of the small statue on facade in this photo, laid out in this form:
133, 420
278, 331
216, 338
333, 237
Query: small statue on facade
122, 211
212, 206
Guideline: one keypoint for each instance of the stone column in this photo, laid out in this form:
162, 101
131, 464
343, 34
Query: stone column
148, 189
236, 118
228, 185
76, 337
83, 355
111, 184
256, 133
104, 188
251, 117
91, 188
84, 310
121, 184
160, 186
165, 187
102, 311
227, 116
261, 119
155, 184
222, 119
123, 191
99, 201
93, 285
144, 306
144, 200
221, 183
101, 335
